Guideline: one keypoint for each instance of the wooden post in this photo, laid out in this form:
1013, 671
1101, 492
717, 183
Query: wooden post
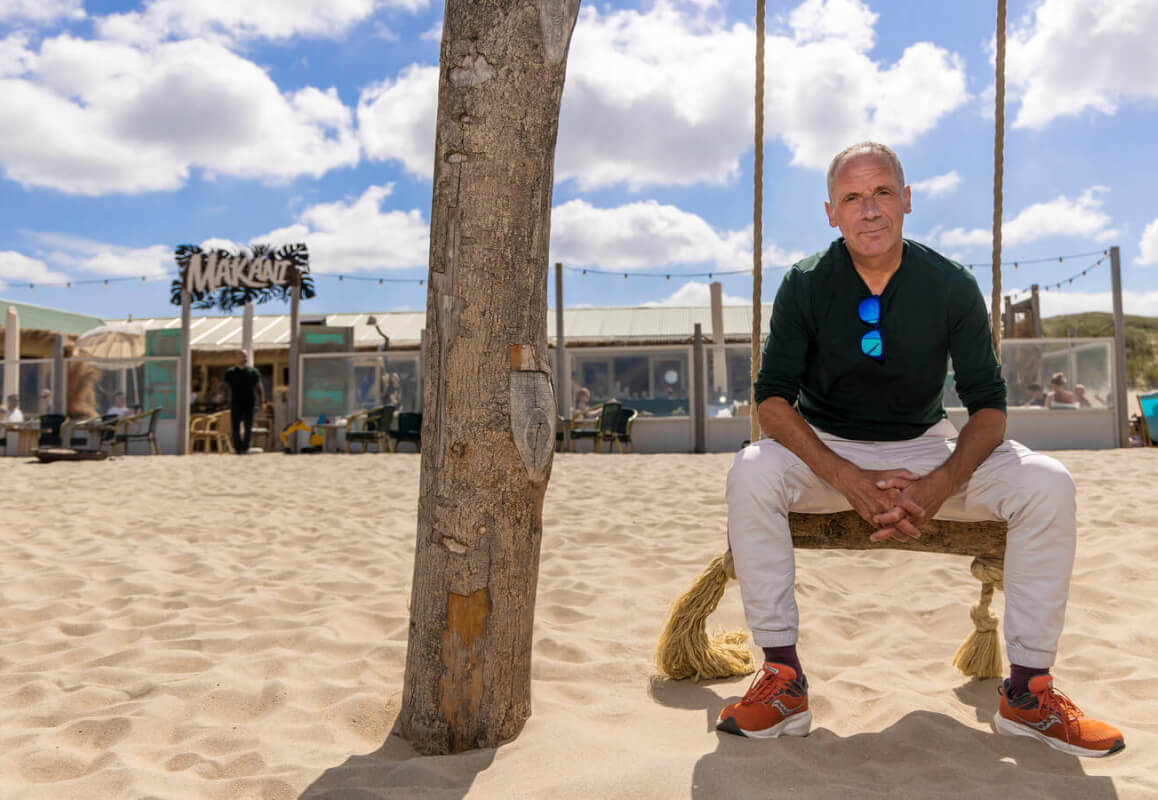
420, 377
562, 374
1035, 310
719, 377
998, 175
1119, 349
488, 429
1008, 317
757, 219
59, 378
295, 365
247, 332
699, 392
184, 372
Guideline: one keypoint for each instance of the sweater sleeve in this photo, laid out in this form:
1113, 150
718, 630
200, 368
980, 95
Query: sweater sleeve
786, 348
976, 371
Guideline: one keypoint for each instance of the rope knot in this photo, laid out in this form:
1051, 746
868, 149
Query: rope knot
988, 569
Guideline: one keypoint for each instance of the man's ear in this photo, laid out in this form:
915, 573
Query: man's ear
908, 200
828, 211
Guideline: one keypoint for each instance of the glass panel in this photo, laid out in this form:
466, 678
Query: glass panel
630, 377
97, 386
670, 378
338, 385
1084, 369
594, 374
33, 389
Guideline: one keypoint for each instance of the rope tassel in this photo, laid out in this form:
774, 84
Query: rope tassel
980, 654
684, 649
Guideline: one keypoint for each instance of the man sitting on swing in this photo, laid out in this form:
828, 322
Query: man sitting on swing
849, 395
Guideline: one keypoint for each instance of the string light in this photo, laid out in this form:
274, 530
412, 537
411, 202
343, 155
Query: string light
1064, 281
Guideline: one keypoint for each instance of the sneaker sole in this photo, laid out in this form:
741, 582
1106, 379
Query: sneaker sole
1011, 728
795, 725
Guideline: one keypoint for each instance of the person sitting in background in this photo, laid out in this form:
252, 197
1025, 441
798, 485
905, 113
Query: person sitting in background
118, 407
1036, 395
45, 401
1060, 396
1080, 394
14, 412
583, 403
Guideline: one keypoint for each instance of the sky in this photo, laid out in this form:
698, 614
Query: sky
128, 128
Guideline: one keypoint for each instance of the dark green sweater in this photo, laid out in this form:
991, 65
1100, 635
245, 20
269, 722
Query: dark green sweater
931, 310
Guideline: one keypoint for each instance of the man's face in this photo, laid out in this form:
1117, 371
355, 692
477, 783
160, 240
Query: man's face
868, 204
242, 358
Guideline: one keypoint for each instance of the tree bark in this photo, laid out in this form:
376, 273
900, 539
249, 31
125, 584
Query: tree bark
489, 419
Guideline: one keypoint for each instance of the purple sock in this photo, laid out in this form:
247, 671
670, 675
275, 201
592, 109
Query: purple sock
785, 656
1020, 676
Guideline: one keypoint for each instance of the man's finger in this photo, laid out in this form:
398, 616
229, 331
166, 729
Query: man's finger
910, 505
894, 483
908, 528
890, 517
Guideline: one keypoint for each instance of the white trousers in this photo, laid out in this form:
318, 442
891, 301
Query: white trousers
1033, 493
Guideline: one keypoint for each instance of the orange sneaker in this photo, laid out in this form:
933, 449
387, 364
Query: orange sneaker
1047, 715
776, 705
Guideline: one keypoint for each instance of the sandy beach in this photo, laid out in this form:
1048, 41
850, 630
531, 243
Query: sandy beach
221, 627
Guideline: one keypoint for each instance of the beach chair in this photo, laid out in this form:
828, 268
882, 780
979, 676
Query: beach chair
409, 430
1148, 403
374, 429
623, 430
129, 429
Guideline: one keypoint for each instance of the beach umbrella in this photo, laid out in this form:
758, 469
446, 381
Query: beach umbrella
123, 342
11, 353
119, 345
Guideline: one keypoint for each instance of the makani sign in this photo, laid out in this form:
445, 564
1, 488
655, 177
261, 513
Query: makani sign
223, 279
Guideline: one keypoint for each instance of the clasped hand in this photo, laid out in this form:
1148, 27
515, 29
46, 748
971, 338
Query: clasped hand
897, 501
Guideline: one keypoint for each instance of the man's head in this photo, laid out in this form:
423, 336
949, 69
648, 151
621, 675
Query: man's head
1035, 389
867, 200
13, 401
119, 399
1058, 379
242, 358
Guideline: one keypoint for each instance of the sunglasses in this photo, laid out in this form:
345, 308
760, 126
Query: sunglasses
869, 312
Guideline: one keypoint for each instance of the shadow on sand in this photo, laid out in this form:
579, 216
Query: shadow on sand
396, 772
922, 755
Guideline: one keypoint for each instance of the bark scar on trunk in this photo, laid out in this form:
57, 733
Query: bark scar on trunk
463, 642
473, 72
557, 21
533, 420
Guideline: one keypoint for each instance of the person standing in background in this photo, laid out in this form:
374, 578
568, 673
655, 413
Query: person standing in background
245, 391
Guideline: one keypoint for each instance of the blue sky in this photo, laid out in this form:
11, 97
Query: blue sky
131, 127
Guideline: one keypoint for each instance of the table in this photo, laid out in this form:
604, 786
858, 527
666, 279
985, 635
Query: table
97, 428
28, 436
329, 432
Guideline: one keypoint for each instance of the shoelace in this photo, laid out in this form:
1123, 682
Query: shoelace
764, 685
1056, 701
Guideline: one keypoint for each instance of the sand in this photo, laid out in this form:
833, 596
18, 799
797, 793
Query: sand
221, 627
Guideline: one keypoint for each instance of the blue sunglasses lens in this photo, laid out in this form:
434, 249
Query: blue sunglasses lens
870, 345
870, 310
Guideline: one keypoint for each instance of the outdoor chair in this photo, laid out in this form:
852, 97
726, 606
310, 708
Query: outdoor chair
409, 430
50, 430
604, 426
374, 429
128, 429
623, 430
207, 430
1148, 403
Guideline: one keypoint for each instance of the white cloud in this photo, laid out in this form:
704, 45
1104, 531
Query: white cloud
77, 253
664, 97
694, 293
1081, 217
15, 57
95, 117
345, 237
40, 11
1148, 244
233, 20
19, 268
1067, 56
938, 185
396, 119
644, 235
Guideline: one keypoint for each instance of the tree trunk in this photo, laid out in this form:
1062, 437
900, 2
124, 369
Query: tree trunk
489, 419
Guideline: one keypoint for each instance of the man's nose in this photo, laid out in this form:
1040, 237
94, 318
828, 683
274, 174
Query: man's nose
870, 207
